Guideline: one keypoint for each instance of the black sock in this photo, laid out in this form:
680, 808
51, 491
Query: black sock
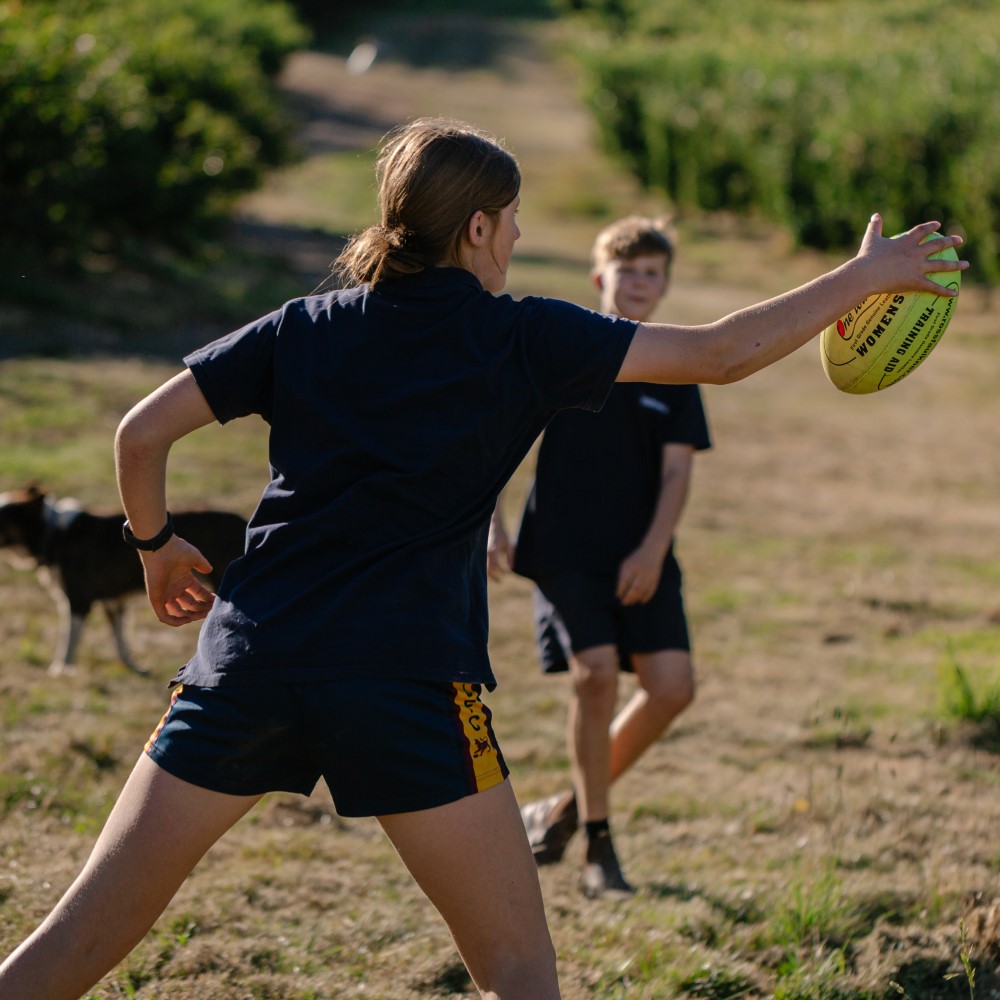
595, 827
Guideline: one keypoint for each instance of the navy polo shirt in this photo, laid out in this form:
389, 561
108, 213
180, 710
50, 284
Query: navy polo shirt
597, 479
397, 416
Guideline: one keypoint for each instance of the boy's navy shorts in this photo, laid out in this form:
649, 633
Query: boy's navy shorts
577, 611
383, 746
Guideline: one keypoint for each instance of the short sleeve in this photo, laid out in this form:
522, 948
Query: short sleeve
575, 353
236, 372
678, 414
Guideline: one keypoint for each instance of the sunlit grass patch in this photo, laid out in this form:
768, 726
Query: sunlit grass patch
971, 697
872, 554
39, 700
35, 795
812, 912
58, 421
332, 192
670, 809
844, 725
723, 599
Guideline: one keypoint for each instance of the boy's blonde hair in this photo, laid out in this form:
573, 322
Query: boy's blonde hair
633, 236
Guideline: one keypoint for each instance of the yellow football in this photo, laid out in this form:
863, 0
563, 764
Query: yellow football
884, 338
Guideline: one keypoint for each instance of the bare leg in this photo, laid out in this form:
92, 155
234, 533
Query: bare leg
595, 687
666, 688
601, 755
158, 830
489, 896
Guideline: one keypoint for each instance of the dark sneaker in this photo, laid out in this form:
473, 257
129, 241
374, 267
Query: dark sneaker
602, 875
550, 823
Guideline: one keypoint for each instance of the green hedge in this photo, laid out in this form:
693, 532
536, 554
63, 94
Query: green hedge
122, 118
811, 113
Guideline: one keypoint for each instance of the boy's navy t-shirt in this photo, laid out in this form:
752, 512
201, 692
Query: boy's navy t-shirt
597, 478
397, 416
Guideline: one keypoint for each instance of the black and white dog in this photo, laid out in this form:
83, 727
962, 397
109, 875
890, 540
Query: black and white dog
83, 560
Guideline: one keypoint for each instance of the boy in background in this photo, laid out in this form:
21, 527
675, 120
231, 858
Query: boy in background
596, 537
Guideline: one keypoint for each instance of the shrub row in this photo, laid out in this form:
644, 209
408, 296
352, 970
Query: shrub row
123, 118
813, 114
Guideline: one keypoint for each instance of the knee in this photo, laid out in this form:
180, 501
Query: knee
671, 691
595, 677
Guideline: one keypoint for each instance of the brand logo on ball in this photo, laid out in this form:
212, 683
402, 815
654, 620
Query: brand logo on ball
862, 346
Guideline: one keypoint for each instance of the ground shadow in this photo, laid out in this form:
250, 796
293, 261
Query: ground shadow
742, 911
452, 978
162, 304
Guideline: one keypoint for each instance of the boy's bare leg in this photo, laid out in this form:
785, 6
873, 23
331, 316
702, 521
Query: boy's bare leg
595, 686
472, 859
158, 830
666, 688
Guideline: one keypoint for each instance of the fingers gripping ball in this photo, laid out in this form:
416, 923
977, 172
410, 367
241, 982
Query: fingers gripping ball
884, 338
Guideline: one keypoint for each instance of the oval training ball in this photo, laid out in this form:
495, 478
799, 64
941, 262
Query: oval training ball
884, 338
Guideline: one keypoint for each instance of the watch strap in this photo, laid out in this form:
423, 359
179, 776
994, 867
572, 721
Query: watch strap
149, 544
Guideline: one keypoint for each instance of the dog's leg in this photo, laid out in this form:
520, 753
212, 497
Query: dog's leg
70, 625
115, 610
70, 630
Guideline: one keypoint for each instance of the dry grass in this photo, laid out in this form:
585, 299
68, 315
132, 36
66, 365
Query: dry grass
814, 826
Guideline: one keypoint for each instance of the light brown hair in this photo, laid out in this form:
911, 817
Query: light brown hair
433, 175
631, 237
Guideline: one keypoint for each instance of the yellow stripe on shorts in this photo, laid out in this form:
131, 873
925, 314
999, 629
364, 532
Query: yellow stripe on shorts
163, 721
483, 757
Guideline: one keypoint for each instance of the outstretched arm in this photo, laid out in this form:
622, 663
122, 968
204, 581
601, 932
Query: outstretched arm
142, 445
750, 339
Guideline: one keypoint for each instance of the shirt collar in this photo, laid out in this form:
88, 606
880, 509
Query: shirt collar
431, 278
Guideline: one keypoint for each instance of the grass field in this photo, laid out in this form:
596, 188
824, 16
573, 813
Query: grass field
820, 824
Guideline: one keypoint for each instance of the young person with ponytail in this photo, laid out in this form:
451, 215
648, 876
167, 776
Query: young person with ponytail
349, 642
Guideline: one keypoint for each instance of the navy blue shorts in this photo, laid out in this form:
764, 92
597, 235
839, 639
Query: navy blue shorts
382, 746
577, 611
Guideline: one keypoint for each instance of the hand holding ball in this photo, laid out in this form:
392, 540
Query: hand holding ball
887, 336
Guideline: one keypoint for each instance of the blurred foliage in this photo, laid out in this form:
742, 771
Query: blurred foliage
812, 114
130, 118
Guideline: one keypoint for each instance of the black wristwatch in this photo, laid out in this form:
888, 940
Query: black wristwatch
149, 544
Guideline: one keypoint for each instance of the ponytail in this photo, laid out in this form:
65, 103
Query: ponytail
433, 175
379, 253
